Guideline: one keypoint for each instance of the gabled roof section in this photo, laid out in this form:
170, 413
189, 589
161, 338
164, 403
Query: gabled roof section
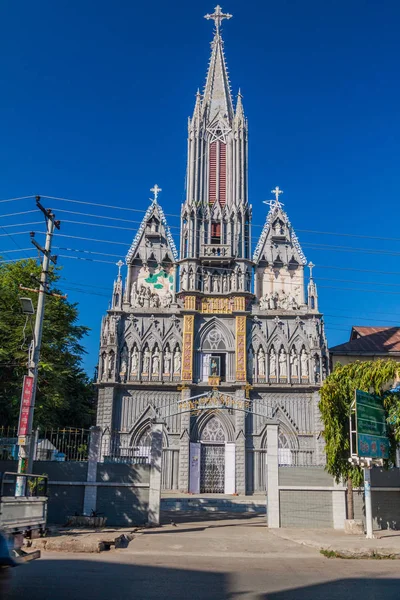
217, 98
276, 212
153, 210
370, 340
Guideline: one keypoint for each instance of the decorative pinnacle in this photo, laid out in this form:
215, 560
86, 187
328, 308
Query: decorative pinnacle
275, 203
311, 266
277, 192
119, 265
156, 191
218, 16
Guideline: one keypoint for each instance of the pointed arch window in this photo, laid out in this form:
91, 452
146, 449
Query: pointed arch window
215, 232
213, 431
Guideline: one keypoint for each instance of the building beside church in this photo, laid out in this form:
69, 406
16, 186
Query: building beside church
216, 340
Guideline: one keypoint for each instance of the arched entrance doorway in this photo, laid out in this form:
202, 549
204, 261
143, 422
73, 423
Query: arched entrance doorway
212, 463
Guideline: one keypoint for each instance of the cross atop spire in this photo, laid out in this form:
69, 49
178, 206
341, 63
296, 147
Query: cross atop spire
218, 16
155, 189
311, 266
277, 193
276, 202
119, 264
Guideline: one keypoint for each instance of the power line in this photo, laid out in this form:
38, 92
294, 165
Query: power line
24, 212
14, 199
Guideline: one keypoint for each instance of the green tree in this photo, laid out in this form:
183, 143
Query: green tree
337, 394
65, 393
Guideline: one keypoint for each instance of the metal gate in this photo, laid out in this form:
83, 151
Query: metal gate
212, 471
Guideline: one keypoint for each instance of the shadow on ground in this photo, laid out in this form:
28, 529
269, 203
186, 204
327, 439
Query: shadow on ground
100, 580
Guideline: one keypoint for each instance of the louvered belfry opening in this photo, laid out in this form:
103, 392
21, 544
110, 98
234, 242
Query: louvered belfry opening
217, 172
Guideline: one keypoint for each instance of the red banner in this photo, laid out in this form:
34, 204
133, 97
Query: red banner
26, 399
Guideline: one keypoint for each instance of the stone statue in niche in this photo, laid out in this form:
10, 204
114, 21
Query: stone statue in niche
272, 363
282, 363
304, 362
134, 295
183, 282
224, 283
177, 361
294, 360
206, 281
154, 301
167, 361
191, 280
124, 365
146, 360
156, 362
233, 282
261, 362
317, 368
167, 299
135, 361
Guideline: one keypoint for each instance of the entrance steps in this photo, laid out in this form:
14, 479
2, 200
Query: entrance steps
176, 506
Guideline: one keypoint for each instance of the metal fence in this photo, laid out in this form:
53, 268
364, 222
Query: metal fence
116, 448
61, 444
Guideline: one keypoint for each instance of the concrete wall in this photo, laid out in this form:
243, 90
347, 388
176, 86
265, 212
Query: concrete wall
122, 490
304, 476
385, 489
306, 508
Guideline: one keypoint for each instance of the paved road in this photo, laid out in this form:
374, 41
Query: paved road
218, 561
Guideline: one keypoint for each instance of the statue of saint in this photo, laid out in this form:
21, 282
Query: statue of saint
282, 363
135, 361
304, 363
261, 362
134, 295
167, 361
294, 359
146, 360
167, 300
156, 362
177, 361
272, 363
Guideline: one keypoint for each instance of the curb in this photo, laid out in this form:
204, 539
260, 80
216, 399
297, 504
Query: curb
350, 553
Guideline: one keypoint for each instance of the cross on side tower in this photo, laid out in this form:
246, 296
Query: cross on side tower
156, 190
218, 16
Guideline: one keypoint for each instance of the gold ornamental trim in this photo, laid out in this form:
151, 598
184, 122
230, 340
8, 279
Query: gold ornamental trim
241, 348
187, 361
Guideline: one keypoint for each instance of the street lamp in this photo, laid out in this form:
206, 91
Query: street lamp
27, 306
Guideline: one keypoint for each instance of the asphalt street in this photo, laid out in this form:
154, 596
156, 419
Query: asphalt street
239, 560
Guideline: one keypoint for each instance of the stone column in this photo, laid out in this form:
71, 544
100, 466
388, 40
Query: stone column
105, 417
155, 473
90, 498
320, 456
184, 446
273, 511
240, 440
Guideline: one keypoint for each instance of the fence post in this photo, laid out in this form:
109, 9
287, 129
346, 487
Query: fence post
90, 498
155, 473
273, 509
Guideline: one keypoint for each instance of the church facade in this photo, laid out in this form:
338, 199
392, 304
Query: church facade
215, 339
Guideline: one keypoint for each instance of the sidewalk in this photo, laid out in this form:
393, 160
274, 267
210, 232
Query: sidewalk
386, 544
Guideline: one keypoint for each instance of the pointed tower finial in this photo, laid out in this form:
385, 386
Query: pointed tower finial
218, 16
276, 203
156, 190
119, 264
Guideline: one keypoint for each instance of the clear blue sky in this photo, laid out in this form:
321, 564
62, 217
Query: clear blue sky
94, 104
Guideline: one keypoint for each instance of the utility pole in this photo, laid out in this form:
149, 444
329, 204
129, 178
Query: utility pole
25, 459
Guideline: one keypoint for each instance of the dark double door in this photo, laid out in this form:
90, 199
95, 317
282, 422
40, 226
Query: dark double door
212, 469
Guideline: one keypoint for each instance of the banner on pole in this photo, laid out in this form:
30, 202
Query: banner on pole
26, 400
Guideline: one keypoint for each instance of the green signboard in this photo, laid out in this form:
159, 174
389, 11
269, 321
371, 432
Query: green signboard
372, 441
